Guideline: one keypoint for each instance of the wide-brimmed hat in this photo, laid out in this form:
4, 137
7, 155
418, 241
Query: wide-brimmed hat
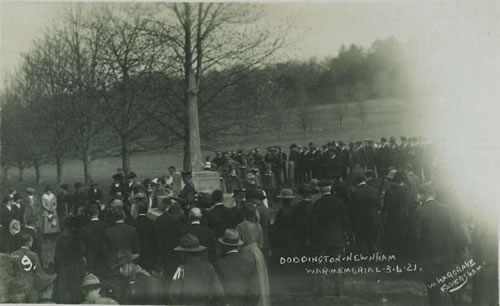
286, 193
123, 257
90, 280
190, 243
42, 280
231, 238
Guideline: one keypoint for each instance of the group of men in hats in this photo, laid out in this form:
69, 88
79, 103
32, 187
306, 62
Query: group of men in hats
363, 198
276, 169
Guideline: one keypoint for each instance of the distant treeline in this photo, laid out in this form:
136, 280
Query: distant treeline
108, 81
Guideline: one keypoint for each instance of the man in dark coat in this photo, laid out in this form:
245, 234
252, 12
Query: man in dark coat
219, 217
365, 215
282, 231
383, 157
396, 209
148, 238
170, 228
117, 186
121, 236
195, 281
78, 200
330, 226
237, 273
435, 234
204, 234
69, 264
94, 195
63, 203
93, 236
188, 193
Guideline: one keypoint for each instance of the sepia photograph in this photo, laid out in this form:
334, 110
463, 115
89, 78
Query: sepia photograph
249, 153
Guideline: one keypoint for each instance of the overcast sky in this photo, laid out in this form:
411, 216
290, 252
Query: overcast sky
318, 28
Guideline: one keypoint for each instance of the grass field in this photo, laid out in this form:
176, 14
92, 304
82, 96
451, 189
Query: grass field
384, 118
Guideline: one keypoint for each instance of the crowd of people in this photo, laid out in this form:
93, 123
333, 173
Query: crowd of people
203, 249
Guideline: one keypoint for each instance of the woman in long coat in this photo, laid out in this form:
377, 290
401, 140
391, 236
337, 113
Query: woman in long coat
251, 233
50, 222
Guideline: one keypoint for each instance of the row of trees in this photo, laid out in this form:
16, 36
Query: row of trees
111, 80
115, 78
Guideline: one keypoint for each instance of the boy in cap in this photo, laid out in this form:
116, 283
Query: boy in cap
91, 288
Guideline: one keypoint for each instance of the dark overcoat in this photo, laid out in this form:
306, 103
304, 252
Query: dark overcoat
93, 236
148, 242
330, 222
238, 276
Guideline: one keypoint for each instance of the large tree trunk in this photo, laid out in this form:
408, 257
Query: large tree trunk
125, 156
59, 169
194, 126
192, 145
86, 167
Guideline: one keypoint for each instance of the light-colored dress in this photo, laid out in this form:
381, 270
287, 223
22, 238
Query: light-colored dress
50, 222
251, 234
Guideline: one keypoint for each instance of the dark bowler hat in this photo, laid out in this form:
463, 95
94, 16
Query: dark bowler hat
306, 189
123, 257
231, 238
117, 176
286, 193
190, 243
131, 175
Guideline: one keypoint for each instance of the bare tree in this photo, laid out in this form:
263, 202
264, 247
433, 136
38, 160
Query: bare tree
46, 65
83, 46
205, 37
129, 59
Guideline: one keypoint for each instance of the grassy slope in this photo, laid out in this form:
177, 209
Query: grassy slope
384, 118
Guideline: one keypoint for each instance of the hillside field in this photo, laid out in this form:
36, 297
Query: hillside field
384, 118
